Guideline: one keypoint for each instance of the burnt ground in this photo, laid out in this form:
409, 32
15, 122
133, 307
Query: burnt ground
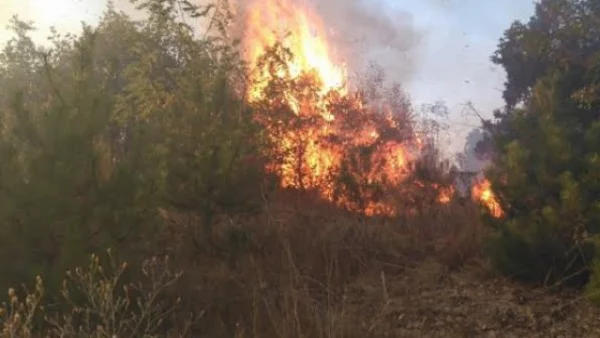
430, 301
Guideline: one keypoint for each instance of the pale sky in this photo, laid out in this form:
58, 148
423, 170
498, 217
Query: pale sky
454, 54
455, 65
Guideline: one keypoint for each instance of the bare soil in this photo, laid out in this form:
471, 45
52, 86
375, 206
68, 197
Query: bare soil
430, 301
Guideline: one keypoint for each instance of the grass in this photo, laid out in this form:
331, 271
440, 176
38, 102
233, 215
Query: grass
301, 269
290, 271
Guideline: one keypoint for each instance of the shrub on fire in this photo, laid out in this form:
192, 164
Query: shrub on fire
353, 149
546, 164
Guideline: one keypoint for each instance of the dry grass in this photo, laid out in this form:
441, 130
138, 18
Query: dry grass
96, 301
307, 269
289, 272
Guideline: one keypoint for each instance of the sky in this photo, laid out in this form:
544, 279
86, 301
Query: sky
457, 39
455, 66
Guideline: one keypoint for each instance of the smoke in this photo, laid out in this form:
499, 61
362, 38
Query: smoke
361, 32
373, 31
472, 162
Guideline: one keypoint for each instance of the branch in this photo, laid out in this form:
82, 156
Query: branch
44, 57
469, 105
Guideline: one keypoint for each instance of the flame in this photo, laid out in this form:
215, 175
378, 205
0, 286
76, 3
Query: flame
301, 31
445, 194
482, 192
328, 130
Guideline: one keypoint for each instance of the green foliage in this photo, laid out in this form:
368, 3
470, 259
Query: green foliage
545, 168
101, 131
561, 33
593, 287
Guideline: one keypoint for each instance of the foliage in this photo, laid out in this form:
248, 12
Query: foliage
101, 131
562, 33
546, 158
137, 135
95, 302
356, 132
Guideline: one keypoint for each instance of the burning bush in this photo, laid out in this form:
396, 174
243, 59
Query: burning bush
356, 148
332, 142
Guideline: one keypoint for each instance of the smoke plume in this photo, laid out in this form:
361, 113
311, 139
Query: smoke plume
368, 31
360, 32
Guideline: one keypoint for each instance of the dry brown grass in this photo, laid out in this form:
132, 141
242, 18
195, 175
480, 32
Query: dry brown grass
307, 269
96, 302
289, 271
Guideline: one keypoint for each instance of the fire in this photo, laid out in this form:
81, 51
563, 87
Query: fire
326, 138
272, 21
482, 192
445, 194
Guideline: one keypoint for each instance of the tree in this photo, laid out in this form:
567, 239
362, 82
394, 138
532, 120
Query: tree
101, 131
545, 164
562, 33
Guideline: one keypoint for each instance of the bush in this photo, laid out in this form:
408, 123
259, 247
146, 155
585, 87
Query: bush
96, 302
542, 176
545, 169
295, 270
101, 131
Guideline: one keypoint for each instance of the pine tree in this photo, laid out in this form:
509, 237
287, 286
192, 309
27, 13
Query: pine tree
546, 167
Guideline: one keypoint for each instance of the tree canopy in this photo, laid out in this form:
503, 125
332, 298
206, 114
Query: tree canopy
547, 143
101, 131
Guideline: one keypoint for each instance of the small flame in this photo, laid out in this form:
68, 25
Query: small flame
482, 192
445, 194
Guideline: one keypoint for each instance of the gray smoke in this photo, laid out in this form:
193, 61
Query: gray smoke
472, 162
373, 31
364, 32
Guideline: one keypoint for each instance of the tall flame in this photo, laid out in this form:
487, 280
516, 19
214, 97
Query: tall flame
301, 31
332, 131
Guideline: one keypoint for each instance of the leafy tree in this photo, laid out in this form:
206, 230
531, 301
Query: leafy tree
101, 131
562, 33
547, 143
63, 191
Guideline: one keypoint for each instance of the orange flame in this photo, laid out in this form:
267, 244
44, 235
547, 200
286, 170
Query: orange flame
329, 129
445, 194
272, 21
482, 192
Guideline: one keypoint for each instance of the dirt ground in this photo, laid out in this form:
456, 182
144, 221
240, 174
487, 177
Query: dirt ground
430, 301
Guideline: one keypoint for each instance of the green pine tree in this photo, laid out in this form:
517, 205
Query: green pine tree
545, 168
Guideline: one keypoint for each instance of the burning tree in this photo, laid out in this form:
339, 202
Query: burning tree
354, 147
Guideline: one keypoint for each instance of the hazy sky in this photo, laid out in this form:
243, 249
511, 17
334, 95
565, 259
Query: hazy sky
454, 52
461, 36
